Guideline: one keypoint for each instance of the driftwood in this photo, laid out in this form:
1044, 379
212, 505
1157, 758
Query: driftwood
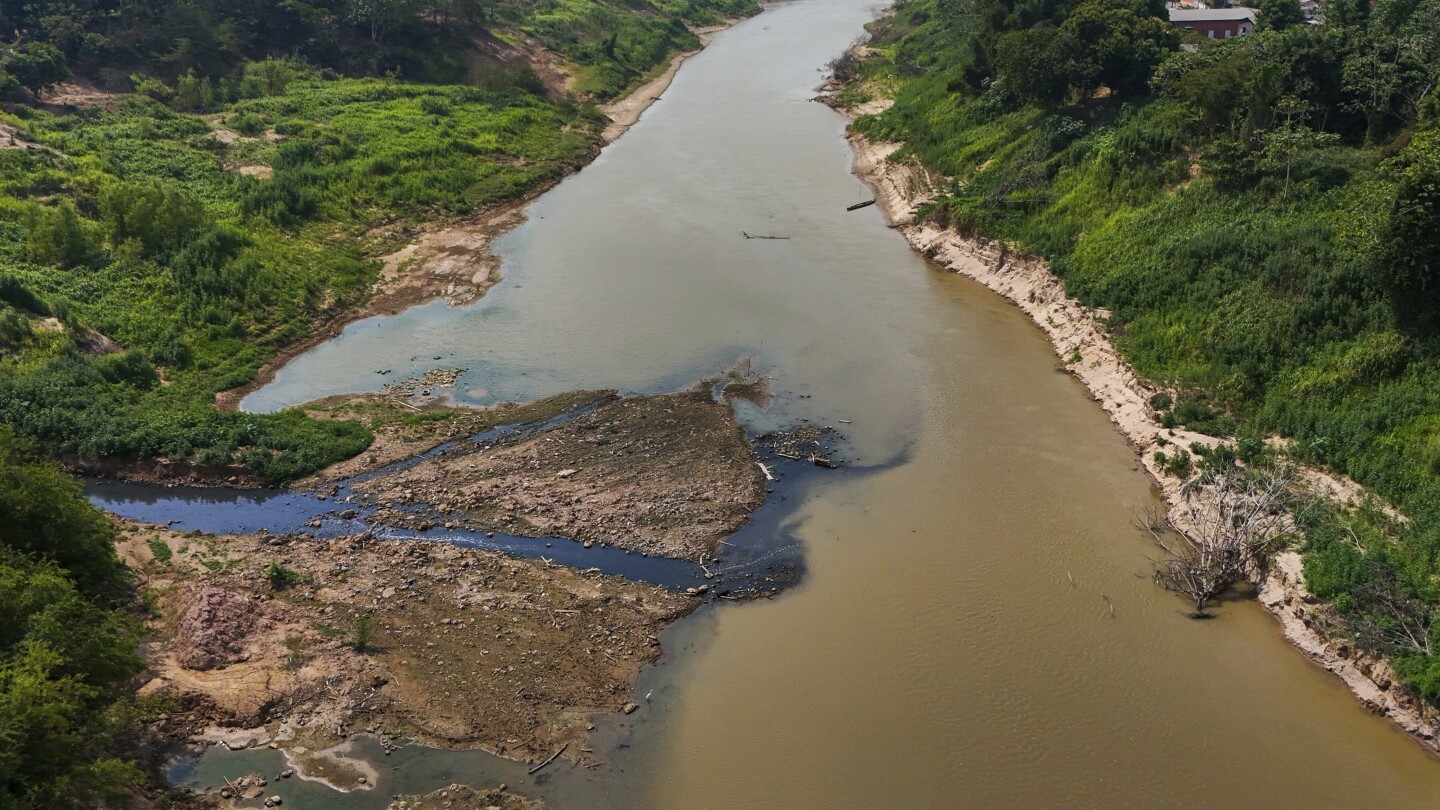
760, 236
858, 206
766, 470
1232, 519
550, 758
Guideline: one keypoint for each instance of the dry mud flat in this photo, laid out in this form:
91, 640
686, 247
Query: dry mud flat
460, 797
668, 475
299, 643
467, 648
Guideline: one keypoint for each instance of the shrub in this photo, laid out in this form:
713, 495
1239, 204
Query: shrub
362, 631
281, 577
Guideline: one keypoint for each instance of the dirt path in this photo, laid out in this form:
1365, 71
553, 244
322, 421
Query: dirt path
1081, 339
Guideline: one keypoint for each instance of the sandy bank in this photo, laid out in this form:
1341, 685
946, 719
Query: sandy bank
624, 112
1080, 338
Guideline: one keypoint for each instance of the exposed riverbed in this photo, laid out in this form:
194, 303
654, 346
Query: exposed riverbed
976, 626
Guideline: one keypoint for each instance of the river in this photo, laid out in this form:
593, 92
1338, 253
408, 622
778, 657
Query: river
976, 626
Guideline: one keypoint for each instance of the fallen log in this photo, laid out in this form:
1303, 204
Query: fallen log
858, 206
550, 758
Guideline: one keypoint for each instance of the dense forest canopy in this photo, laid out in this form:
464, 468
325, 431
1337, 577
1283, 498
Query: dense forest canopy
67, 640
610, 42
1259, 215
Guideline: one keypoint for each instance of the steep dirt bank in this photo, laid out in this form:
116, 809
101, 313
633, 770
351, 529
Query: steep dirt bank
1080, 338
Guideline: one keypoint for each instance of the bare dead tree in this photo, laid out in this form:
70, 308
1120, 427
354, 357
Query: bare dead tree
1229, 521
845, 68
1392, 620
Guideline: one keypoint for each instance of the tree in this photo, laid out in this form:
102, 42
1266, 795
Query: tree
159, 215
1117, 43
1291, 138
380, 15
1277, 15
1409, 264
66, 648
43, 513
1032, 66
60, 237
1394, 64
36, 66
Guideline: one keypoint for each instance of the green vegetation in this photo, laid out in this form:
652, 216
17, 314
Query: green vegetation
281, 577
67, 646
163, 248
362, 631
159, 549
197, 50
1260, 215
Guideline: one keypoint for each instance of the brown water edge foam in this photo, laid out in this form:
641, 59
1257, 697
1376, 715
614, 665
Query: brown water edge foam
1080, 338
453, 260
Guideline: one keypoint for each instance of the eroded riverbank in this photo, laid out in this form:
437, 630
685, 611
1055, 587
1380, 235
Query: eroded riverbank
1081, 340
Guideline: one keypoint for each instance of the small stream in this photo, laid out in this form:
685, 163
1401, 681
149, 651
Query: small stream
762, 557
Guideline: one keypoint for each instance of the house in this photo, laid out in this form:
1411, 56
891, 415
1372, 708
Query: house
1214, 23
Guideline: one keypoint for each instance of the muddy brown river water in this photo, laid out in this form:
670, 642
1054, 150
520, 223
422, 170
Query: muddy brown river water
953, 642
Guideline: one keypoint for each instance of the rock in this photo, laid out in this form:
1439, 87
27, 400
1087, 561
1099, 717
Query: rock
274, 801
629, 708
213, 627
287, 773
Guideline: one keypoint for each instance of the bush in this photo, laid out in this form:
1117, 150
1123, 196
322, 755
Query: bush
281, 577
